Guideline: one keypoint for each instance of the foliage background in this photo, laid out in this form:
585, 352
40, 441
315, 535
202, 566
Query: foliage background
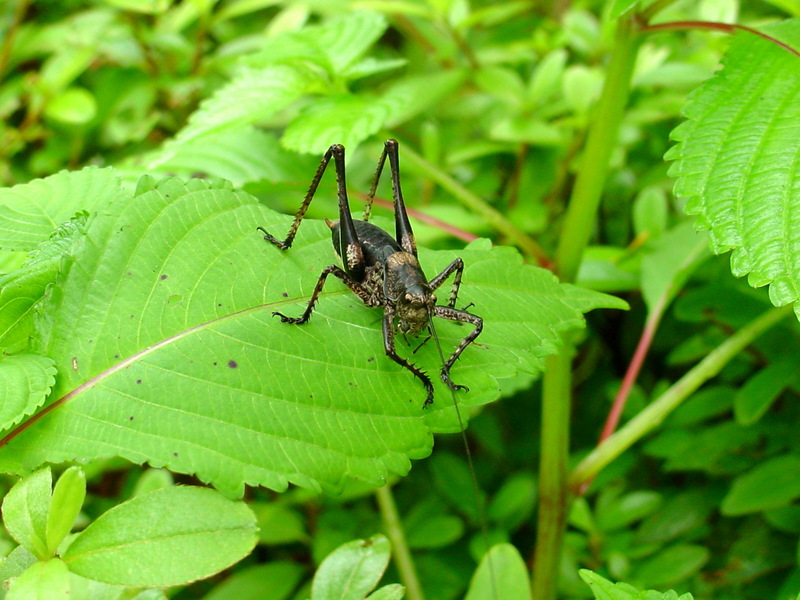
491, 103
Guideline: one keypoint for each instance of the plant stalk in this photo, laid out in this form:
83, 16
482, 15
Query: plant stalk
657, 411
578, 224
400, 550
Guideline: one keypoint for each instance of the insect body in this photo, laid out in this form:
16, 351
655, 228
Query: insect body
384, 271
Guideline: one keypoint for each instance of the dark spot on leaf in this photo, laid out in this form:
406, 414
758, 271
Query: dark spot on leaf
129, 274
233, 364
138, 381
163, 277
116, 356
174, 454
285, 295
370, 359
130, 418
215, 363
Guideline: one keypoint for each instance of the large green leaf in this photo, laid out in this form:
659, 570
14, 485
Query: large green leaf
737, 160
161, 328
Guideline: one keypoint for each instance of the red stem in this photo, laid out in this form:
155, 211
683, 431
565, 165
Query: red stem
714, 26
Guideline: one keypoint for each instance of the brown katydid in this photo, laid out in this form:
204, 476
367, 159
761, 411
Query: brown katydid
384, 271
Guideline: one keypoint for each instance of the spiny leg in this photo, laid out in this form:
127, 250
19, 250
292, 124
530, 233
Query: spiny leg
458, 266
389, 348
403, 232
287, 243
461, 316
332, 269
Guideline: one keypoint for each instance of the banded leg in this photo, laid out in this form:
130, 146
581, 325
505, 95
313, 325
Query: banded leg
348, 247
354, 286
462, 316
458, 266
389, 348
301, 212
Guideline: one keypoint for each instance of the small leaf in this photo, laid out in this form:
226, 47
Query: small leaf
21, 289
250, 96
25, 511
29, 212
347, 38
758, 393
673, 258
393, 591
68, 495
47, 580
27, 379
772, 484
173, 535
73, 106
275, 580
501, 574
352, 570
345, 119
627, 509
673, 565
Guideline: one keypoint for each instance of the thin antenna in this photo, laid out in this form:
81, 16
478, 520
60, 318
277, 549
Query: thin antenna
475, 487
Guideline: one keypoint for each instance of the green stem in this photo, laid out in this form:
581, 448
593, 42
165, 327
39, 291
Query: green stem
658, 410
578, 225
490, 214
553, 489
601, 142
400, 550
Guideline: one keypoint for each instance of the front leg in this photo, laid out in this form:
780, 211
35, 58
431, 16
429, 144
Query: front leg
461, 316
458, 266
338, 272
388, 346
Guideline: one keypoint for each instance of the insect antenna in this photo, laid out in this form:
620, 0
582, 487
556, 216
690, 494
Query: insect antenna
475, 487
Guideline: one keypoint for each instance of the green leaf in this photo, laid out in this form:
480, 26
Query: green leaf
19, 559
672, 260
162, 334
673, 565
278, 524
48, 580
603, 589
21, 289
772, 484
514, 501
241, 156
73, 106
758, 393
25, 511
68, 495
173, 535
734, 160
352, 570
393, 591
252, 583
627, 509
344, 119
650, 212
27, 379
346, 38
501, 574
409, 96
252, 95
30, 212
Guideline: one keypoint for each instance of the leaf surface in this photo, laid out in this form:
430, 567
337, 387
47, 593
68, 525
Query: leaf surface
167, 537
738, 160
160, 325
